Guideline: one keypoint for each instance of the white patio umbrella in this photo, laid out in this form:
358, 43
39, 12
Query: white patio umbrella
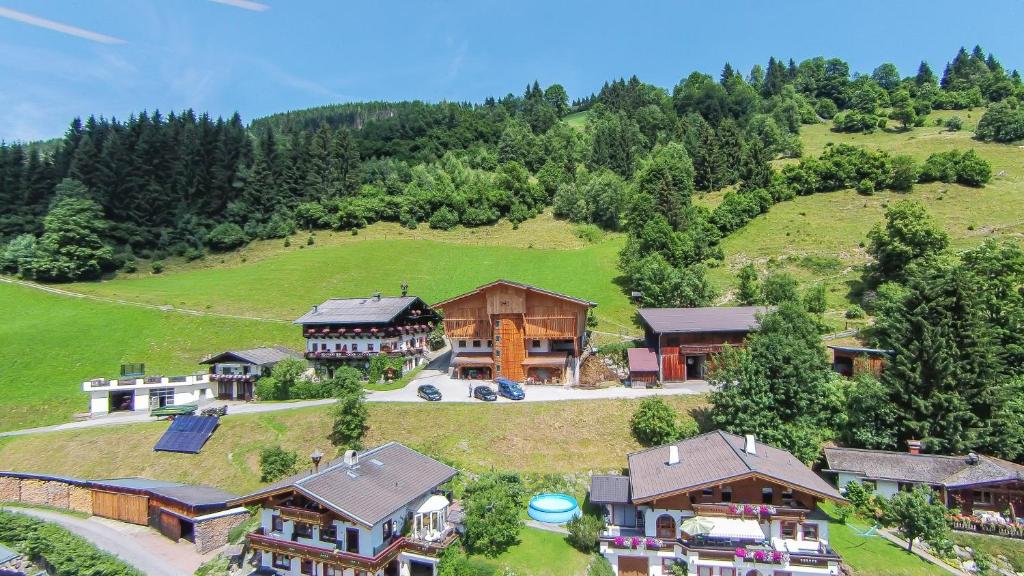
697, 525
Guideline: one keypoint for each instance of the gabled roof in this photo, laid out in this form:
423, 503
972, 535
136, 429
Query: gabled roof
642, 360
527, 287
711, 319
716, 457
860, 350
384, 480
935, 469
371, 310
257, 356
609, 489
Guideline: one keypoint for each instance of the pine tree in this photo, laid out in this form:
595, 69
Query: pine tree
344, 164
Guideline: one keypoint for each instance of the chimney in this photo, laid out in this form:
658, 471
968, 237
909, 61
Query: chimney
351, 457
316, 307
405, 288
376, 296
750, 446
972, 459
914, 446
673, 455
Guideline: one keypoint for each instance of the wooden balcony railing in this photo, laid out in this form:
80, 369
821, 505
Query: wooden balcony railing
467, 327
260, 541
737, 510
303, 515
550, 327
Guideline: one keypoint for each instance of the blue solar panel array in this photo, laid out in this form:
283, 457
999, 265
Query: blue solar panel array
187, 434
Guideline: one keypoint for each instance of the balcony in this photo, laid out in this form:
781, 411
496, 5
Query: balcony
304, 516
363, 355
145, 382
258, 540
231, 377
755, 511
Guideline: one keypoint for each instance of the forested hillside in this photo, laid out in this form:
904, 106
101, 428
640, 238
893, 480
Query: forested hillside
156, 185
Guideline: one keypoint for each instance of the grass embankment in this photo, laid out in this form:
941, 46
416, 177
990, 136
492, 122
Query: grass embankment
822, 238
1012, 550
874, 555
551, 437
51, 343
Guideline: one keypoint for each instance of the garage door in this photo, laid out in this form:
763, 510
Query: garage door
123, 507
633, 566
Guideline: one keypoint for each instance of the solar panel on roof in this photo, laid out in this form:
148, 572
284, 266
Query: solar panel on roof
187, 434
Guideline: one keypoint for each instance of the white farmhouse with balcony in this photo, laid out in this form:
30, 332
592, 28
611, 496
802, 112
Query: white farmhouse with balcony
138, 393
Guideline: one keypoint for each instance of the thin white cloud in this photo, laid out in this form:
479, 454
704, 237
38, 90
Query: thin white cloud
244, 4
58, 27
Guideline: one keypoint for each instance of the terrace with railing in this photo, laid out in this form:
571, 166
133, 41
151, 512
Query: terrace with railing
260, 541
146, 381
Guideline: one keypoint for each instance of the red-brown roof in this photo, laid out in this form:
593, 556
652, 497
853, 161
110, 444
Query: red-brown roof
642, 360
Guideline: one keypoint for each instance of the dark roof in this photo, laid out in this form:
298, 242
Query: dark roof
609, 489
135, 483
713, 319
642, 360
527, 287
194, 495
859, 350
714, 457
936, 469
371, 310
7, 555
257, 356
384, 479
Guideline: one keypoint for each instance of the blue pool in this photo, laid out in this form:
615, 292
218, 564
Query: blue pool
553, 508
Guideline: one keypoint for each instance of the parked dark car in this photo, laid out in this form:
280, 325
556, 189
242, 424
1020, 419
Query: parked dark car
484, 393
429, 392
509, 389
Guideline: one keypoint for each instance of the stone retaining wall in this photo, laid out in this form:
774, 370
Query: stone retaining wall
213, 533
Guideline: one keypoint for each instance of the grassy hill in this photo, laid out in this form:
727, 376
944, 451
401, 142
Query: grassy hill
821, 238
52, 343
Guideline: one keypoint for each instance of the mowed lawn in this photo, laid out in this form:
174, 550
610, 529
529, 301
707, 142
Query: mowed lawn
834, 225
873, 555
284, 283
51, 343
539, 553
552, 437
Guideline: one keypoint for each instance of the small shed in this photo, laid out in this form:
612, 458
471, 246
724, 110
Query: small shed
643, 366
851, 361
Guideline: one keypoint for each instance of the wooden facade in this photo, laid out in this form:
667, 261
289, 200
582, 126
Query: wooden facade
131, 508
513, 318
852, 361
689, 356
749, 489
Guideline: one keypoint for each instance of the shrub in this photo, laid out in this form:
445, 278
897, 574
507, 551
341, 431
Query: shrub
854, 312
904, 173
226, 236
193, 254
600, 566
1002, 122
276, 462
967, 168
855, 121
493, 505
866, 186
66, 553
584, 532
654, 422
379, 365
157, 266
444, 219
588, 233
859, 496
826, 108
954, 124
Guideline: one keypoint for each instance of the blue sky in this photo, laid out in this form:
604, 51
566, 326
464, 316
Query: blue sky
122, 56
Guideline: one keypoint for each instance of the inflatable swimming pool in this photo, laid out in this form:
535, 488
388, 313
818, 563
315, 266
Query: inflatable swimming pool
553, 508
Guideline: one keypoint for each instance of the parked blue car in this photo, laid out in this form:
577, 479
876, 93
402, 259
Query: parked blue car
509, 389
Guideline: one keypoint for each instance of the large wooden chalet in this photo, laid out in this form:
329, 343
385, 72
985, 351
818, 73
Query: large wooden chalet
516, 331
681, 340
721, 504
375, 513
350, 331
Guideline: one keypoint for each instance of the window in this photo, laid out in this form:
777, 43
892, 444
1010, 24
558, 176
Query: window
810, 531
497, 324
704, 571
329, 533
870, 485
164, 396
303, 530
476, 343
337, 347
707, 492
462, 343
497, 368
982, 497
352, 540
787, 497
535, 344
497, 353
282, 561
389, 529
789, 530
306, 567
332, 571
497, 338
666, 527
767, 494
355, 347
906, 487
727, 494
667, 564
276, 524
489, 344
369, 347
727, 571
323, 346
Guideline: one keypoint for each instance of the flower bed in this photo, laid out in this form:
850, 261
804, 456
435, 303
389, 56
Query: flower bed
753, 510
975, 524
638, 543
762, 556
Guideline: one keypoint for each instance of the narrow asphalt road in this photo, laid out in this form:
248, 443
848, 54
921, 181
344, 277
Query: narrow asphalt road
139, 546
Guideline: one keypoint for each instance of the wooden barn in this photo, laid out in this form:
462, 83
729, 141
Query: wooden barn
851, 361
516, 331
684, 339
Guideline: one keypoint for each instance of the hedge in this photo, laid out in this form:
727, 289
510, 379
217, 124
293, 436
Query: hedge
66, 553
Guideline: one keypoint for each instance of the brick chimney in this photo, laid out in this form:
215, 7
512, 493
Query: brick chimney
914, 446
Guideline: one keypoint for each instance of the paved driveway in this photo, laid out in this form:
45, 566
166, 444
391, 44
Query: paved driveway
139, 546
457, 390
